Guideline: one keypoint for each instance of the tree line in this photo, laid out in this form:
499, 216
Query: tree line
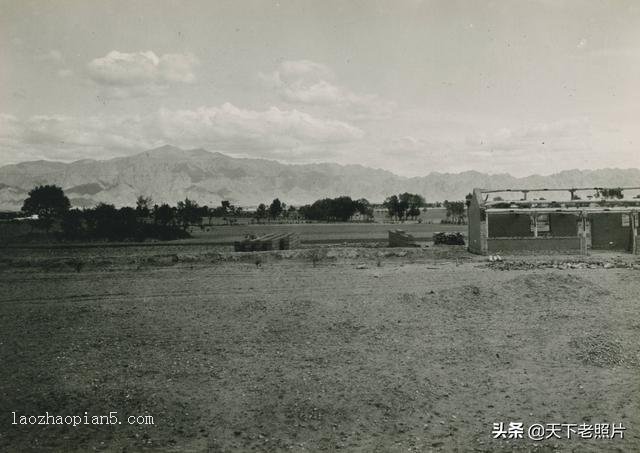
404, 206
105, 221
153, 221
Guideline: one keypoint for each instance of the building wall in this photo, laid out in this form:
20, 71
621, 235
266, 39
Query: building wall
509, 225
477, 240
482, 228
512, 231
563, 225
607, 232
534, 244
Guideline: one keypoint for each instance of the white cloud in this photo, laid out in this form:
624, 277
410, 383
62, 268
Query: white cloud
567, 134
64, 73
53, 56
308, 82
294, 69
542, 148
408, 146
55, 60
9, 127
230, 127
176, 67
62, 132
225, 128
123, 74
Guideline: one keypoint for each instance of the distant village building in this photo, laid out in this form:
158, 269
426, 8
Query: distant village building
560, 223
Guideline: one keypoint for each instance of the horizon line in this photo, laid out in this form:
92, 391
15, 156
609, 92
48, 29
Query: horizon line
177, 148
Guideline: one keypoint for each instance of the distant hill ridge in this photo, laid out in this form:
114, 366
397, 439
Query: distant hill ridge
169, 174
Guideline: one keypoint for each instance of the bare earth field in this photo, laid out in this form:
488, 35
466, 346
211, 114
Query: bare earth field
364, 350
316, 233
323, 232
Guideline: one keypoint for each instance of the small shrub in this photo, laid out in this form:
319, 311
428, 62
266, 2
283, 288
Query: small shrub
317, 255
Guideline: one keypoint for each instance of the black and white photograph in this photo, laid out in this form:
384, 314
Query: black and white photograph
319, 226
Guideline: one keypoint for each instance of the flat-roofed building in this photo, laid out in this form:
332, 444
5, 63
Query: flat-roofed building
554, 220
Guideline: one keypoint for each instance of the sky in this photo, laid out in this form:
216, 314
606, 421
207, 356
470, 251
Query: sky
413, 87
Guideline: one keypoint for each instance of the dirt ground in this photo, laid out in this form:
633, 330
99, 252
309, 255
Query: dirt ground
352, 349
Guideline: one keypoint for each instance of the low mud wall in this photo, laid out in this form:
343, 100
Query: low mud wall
539, 243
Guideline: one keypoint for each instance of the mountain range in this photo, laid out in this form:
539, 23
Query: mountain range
169, 174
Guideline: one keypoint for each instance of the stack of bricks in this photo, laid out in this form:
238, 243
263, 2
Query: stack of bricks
290, 241
273, 241
400, 238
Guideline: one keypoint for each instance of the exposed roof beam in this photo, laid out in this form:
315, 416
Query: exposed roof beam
565, 202
574, 211
568, 189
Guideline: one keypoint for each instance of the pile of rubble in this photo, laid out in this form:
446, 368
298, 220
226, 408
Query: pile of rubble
400, 238
598, 350
555, 264
448, 238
